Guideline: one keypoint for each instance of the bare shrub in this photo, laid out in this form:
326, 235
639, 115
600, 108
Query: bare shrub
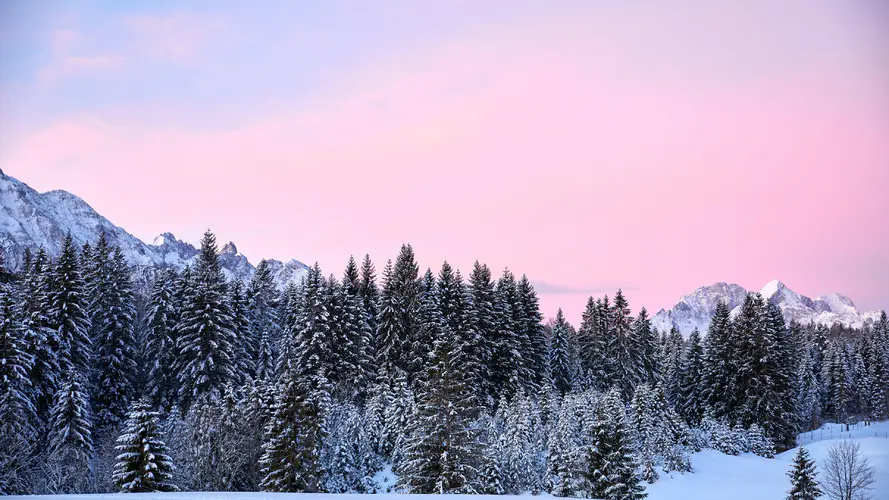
847, 473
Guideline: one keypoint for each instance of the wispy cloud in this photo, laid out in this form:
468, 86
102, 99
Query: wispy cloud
68, 58
559, 289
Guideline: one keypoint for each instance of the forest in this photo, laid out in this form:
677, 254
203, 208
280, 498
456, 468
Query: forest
416, 382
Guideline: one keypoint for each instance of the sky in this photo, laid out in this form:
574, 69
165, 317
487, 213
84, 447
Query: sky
592, 145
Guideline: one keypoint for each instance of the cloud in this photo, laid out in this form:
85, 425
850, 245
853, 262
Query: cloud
69, 57
178, 37
544, 287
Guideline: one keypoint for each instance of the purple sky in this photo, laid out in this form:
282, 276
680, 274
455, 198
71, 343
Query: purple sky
654, 146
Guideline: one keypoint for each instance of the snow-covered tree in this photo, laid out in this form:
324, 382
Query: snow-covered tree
68, 315
691, 389
611, 468
70, 437
443, 448
160, 342
115, 343
803, 485
18, 415
562, 356
143, 464
207, 353
264, 322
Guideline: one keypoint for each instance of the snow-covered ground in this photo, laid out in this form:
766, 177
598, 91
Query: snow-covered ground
748, 477
716, 476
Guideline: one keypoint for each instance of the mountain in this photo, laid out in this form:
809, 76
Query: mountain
29, 220
697, 308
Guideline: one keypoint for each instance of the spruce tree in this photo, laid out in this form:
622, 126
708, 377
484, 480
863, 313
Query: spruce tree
390, 342
42, 342
369, 292
803, 485
160, 341
530, 325
483, 322
620, 348
691, 390
611, 468
207, 353
644, 340
115, 345
508, 371
70, 435
239, 309
591, 344
561, 356
68, 314
443, 447
143, 464
18, 416
674, 351
264, 322
291, 461
719, 365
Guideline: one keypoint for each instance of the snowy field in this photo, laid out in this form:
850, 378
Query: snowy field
716, 476
749, 477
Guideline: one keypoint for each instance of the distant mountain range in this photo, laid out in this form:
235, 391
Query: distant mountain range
697, 308
29, 220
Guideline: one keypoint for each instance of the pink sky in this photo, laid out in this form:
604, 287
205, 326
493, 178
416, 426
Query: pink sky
656, 150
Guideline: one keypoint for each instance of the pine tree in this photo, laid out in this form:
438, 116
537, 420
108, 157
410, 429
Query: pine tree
718, 363
70, 435
239, 310
530, 325
645, 343
836, 380
160, 341
611, 468
508, 372
620, 348
562, 356
352, 337
207, 354
453, 305
42, 342
18, 415
369, 292
807, 392
674, 351
143, 464
67, 314
294, 438
483, 322
803, 485
591, 344
405, 287
443, 448
115, 344
691, 390
389, 334
264, 322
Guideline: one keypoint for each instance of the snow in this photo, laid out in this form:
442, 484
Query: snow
696, 309
771, 288
716, 475
748, 476
29, 219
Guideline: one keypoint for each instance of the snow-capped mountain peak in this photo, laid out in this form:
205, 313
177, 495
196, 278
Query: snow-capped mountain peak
30, 220
696, 309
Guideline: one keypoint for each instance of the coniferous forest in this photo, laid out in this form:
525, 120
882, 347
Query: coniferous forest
393, 380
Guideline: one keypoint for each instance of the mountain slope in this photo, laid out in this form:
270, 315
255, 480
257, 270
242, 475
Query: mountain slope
696, 309
29, 220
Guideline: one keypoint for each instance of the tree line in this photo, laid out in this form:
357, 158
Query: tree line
423, 383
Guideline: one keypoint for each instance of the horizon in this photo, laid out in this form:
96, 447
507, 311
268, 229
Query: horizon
590, 147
